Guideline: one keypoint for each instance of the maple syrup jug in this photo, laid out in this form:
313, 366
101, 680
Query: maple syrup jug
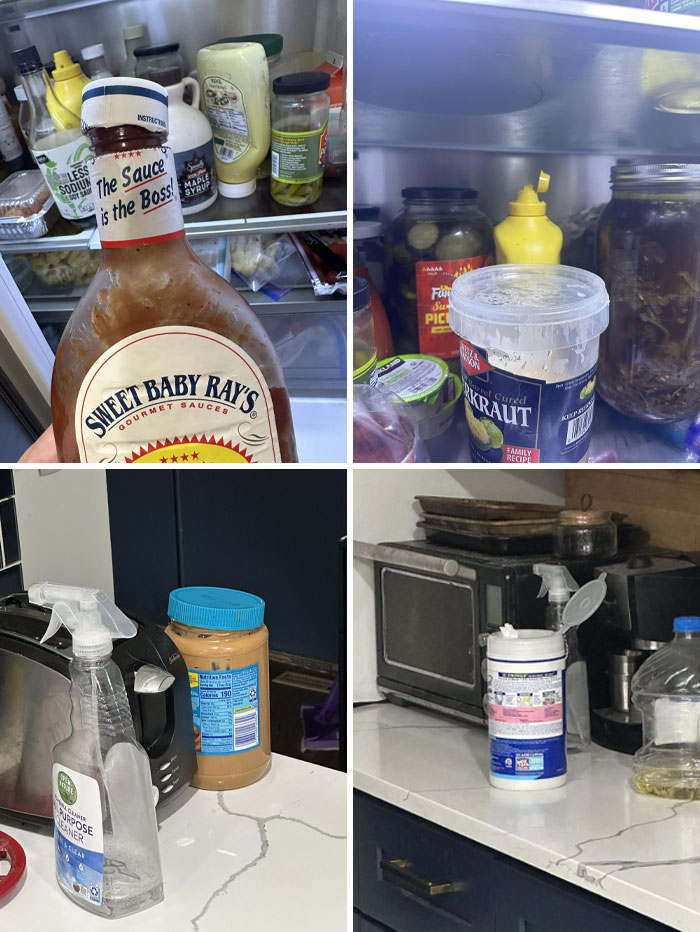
162, 361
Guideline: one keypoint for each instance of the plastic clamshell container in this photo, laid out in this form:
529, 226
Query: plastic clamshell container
23, 194
32, 227
529, 333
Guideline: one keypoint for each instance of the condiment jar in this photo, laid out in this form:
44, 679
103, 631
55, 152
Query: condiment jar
160, 63
585, 534
648, 245
364, 348
300, 108
224, 643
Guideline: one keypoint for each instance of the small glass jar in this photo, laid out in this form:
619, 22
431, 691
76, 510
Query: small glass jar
364, 349
300, 108
160, 63
585, 534
648, 246
441, 233
224, 643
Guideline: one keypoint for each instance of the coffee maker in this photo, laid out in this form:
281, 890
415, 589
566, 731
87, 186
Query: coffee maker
645, 592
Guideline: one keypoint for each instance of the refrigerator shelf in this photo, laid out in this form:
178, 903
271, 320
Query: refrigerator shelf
255, 214
524, 76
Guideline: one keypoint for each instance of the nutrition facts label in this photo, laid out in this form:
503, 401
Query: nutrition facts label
225, 710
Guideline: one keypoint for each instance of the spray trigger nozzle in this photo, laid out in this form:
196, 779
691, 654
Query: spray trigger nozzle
556, 580
90, 616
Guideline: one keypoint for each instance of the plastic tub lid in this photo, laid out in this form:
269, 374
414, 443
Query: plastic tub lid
366, 229
215, 608
23, 191
535, 645
528, 307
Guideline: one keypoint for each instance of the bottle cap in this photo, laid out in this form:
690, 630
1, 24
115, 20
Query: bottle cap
360, 293
92, 51
366, 229
686, 623
134, 32
527, 204
272, 42
26, 60
218, 609
242, 189
145, 50
65, 68
119, 101
20, 93
304, 82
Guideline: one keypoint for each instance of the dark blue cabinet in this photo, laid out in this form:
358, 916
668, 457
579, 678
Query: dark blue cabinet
412, 876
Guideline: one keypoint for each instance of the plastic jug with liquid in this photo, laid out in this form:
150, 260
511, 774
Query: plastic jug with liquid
666, 690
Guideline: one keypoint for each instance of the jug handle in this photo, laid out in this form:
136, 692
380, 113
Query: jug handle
194, 84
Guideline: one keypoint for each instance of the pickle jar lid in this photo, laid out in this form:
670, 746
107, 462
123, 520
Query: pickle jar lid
632, 176
439, 194
125, 101
303, 82
217, 609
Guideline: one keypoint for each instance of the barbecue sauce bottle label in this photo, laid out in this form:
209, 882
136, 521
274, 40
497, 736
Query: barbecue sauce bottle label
170, 393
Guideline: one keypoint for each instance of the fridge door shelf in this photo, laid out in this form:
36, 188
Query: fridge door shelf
526, 76
255, 214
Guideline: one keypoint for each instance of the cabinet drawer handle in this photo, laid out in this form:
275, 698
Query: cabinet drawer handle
398, 871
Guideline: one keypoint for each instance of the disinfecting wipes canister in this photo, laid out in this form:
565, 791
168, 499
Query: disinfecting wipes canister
525, 677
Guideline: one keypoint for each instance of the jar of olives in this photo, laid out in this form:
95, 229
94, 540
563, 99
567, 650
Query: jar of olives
440, 234
648, 247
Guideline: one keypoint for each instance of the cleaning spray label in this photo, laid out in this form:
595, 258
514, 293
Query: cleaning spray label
526, 721
513, 418
77, 813
226, 710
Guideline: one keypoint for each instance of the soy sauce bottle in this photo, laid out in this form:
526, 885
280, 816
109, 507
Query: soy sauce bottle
162, 361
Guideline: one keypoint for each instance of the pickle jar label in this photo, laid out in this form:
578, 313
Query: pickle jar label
434, 282
297, 158
67, 173
175, 395
514, 419
136, 197
226, 112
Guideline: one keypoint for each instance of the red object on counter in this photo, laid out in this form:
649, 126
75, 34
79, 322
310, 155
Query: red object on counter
12, 851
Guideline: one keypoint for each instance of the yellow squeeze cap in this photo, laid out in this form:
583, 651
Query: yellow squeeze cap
65, 68
527, 204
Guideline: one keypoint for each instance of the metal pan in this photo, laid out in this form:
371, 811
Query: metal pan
483, 509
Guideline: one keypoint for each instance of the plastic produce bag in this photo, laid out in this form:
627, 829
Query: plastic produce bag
383, 428
260, 259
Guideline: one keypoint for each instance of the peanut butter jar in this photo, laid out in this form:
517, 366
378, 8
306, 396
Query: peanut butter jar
224, 642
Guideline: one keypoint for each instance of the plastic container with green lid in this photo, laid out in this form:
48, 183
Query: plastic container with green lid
224, 642
529, 351
417, 380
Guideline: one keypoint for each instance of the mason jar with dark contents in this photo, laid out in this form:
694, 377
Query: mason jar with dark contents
440, 234
648, 247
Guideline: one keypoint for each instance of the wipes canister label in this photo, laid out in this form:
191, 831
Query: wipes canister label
526, 721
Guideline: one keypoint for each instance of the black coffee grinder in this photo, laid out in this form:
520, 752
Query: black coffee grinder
645, 593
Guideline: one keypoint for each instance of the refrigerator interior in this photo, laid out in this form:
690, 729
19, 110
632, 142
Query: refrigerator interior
486, 93
308, 331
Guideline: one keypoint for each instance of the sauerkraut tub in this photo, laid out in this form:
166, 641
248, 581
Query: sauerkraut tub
529, 350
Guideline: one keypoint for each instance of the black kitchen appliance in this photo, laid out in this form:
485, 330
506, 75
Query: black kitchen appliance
435, 604
35, 706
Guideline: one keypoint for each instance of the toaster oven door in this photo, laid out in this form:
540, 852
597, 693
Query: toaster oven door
35, 712
428, 633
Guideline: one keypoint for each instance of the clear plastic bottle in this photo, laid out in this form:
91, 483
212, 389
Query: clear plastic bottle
134, 38
95, 61
106, 837
666, 690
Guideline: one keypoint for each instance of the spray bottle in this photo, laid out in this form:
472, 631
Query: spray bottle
564, 614
105, 832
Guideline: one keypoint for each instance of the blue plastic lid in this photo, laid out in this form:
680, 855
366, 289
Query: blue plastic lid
219, 609
687, 623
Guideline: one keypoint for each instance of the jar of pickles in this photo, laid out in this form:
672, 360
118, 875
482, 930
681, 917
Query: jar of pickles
364, 368
648, 247
300, 108
440, 234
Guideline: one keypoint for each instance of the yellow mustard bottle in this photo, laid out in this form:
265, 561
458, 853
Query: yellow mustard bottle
527, 234
68, 84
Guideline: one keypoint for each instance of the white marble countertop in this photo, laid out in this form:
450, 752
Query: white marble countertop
268, 856
642, 852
